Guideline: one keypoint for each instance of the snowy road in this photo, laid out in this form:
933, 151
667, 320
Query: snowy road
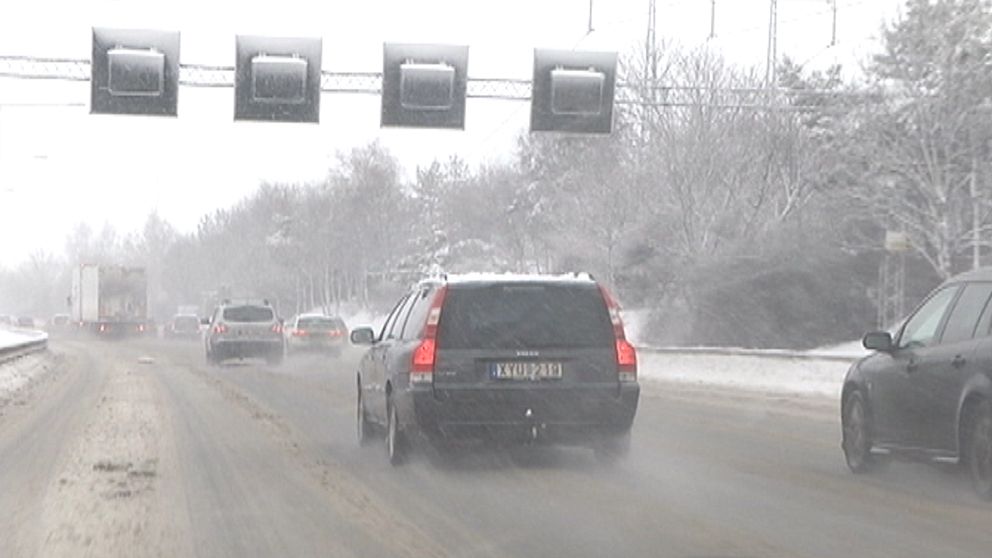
109, 456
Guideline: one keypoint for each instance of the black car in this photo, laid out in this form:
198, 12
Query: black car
926, 392
505, 359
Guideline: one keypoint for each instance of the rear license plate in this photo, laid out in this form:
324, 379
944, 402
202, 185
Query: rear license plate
526, 370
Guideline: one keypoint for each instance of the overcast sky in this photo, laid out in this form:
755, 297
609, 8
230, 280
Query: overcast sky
61, 165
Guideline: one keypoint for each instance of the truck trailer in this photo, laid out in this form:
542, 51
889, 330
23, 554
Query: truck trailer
110, 300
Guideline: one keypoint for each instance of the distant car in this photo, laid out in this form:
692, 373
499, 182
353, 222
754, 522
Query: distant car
183, 326
59, 323
147, 328
25, 322
511, 360
927, 391
244, 330
6, 320
316, 332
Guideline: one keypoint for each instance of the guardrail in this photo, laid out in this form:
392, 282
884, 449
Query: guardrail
34, 341
783, 354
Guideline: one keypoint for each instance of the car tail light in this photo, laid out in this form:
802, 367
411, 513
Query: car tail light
141, 328
423, 362
300, 332
220, 328
334, 333
626, 353
277, 328
103, 328
626, 361
424, 356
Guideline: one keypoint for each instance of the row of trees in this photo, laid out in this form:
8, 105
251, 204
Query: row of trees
735, 223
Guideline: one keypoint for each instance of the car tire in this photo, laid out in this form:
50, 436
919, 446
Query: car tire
363, 426
395, 443
613, 449
979, 450
856, 427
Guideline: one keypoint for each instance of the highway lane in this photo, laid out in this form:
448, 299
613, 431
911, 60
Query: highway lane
261, 460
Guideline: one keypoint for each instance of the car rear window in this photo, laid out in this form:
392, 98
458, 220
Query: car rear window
248, 314
320, 324
187, 322
524, 316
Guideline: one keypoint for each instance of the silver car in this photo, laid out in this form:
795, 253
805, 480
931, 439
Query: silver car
244, 330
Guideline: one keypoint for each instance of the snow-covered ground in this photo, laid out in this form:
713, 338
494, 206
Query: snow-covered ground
852, 349
14, 374
772, 373
10, 337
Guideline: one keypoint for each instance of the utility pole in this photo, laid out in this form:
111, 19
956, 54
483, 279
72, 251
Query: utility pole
712, 19
833, 27
772, 57
589, 29
650, 77
651, 45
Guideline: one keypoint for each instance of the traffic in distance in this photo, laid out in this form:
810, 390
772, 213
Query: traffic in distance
562, 291
504, 359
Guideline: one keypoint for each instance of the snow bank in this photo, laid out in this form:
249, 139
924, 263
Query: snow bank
12, 338
16, 373
775, 372
851, 349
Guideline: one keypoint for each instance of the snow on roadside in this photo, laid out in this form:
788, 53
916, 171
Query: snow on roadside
769, 374
10, 338
16, 373
852, 349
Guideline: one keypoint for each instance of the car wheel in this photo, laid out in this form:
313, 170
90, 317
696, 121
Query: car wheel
857, 433
979, 456
395, 447
363, 427
612, 449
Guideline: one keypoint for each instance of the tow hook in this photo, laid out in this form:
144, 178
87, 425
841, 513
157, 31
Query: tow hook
534, 431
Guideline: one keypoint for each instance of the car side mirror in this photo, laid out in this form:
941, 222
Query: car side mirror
878, 341
362, 336
204, 321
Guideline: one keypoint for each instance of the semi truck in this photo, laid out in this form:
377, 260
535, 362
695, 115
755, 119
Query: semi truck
110, 300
